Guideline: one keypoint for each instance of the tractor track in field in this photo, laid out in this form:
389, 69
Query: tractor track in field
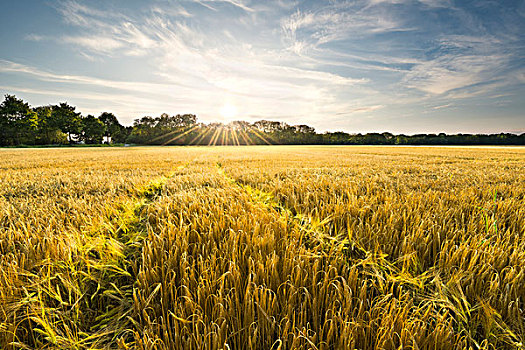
111, 270
313, 237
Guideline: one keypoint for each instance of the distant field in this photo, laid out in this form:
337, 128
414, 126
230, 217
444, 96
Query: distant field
278, 247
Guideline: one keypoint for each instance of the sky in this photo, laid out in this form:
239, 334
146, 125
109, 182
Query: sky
402, 66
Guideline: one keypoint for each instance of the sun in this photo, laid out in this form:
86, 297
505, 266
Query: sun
228, 111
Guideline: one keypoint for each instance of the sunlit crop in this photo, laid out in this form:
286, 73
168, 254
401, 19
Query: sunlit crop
262, 247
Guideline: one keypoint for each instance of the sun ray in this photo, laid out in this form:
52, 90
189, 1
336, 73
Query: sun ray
200, 136
181, 135
245, 137
224, 132
221, 135
232, 137
258, 134
210, 143
217, 135
217, 140
236, 139
165, 135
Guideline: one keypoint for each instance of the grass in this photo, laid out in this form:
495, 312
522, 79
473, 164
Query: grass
278, 247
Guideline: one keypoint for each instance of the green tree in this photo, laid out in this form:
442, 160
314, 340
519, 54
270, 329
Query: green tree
93, 130
123, 135
186, 120
67, 120
18, 122
143, 130
47, 133
113, 127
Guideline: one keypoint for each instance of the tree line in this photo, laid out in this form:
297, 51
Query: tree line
21, 124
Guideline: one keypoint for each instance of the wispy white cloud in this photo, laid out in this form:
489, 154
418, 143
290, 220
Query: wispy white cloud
12, 67
99, 44
237, 3
171, 11
461, 61
78, 14
442, 106
457, 61
430, 3
333, 23
450, 72
34, 37
363, 109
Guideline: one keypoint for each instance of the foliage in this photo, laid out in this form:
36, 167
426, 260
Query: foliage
48, 133
66, 120
113, 127
18, 122
93, 130
58, 124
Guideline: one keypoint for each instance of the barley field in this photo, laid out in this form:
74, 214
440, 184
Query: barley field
278, 247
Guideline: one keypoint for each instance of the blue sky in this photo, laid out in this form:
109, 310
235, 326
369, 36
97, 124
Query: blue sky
404, 66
